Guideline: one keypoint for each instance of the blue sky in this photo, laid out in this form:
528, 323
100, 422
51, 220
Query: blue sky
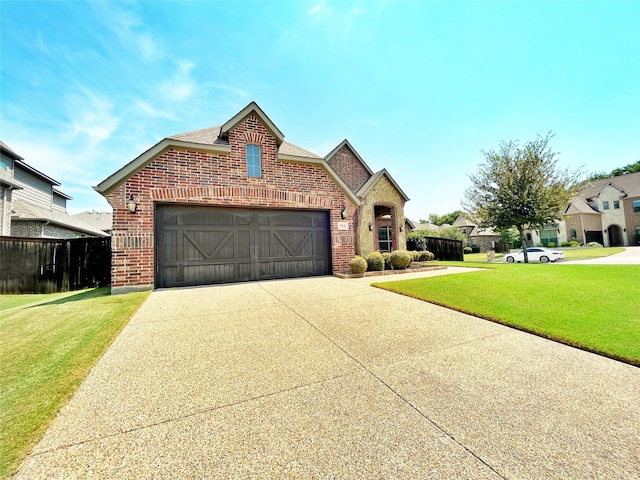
418, 88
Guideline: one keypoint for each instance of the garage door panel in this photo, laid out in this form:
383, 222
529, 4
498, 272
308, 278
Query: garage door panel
204, 245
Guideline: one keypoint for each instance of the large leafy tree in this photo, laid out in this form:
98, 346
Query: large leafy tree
446, 218
520, 186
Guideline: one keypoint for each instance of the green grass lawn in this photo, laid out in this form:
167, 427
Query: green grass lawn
48, 345
570, 253
593, 307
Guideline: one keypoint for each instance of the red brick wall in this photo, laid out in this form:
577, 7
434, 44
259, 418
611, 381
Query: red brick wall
349, 168
178, 176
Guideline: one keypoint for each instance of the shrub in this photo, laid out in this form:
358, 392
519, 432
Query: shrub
387, 261
540, 244
416, 240
415, 256
466, 250
427, 256
358, 264
452, 233
551, 244
573, 243
565, 244
594, 244
400, 259
375, 262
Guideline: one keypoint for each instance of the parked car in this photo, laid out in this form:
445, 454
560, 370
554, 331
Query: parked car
535, 254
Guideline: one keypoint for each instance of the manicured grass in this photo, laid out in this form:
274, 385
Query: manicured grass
593, 307
46, 349
570, 253
13, 301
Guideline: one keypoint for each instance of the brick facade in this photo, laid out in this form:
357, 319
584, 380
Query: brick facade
187, 176
349, 167
631, 221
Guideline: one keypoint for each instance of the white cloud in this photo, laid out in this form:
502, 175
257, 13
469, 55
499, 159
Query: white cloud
129, 28
149, 111
181, 86
316, 8
89, 113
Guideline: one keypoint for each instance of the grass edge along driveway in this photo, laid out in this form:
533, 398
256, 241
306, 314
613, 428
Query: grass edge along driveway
47, 347
592, 307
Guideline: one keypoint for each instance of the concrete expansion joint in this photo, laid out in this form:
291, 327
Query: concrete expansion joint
395, 392
193, 414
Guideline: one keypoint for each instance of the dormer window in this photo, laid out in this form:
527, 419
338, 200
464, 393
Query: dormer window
254, 167
605, 205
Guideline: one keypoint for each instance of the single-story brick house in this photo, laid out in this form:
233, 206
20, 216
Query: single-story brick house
236, 203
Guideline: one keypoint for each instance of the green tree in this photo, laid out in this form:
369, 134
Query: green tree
616, 172
453, 233
520, 186
446, 218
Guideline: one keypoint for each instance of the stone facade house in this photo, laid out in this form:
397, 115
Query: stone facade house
606, 211
30, 204
236, 202
481, 240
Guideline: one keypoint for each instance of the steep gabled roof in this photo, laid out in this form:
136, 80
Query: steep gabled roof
628, 185
242, 114
345, 142
216, 140
579, 205
362, 192
463, 221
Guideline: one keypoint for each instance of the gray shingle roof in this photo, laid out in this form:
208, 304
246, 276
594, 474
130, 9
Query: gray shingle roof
25, 211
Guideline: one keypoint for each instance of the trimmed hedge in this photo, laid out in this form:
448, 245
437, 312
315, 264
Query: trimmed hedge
358, 264
375, 262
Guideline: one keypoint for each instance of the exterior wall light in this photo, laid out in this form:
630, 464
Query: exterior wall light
131, 204
370, 226
343, 213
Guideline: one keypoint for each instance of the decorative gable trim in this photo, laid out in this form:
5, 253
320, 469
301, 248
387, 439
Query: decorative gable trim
374, 179
147, 157
245, 112
254, 137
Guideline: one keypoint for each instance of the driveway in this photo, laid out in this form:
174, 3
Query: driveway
331, 378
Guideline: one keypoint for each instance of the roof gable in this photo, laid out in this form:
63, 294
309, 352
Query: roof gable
374, 179
246, 111
346, 143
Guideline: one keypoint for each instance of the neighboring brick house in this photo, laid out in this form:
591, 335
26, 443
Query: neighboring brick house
606, 211
31, 206
230, 203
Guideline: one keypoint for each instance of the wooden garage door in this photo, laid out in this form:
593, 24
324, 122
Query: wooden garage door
204, 245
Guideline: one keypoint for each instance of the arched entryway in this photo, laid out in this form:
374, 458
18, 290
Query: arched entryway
615, 236
385, 232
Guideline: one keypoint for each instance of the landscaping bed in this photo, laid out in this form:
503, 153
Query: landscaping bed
413, 268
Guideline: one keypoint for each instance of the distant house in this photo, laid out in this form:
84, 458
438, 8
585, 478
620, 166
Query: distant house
99, 220
480, 239
31, 206
606, 211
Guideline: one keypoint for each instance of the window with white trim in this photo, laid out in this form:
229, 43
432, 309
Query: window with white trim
254, 167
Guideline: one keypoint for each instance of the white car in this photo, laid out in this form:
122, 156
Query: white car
535, 254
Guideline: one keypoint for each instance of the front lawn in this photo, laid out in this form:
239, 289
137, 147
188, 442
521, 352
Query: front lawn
570, 253
48, 345
593, 307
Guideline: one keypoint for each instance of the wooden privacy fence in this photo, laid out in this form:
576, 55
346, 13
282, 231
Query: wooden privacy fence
36, 265
442, 248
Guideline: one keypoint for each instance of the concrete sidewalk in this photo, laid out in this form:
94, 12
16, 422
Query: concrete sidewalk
331, 378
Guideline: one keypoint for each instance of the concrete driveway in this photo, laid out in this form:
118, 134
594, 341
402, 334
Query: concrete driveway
331, 378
